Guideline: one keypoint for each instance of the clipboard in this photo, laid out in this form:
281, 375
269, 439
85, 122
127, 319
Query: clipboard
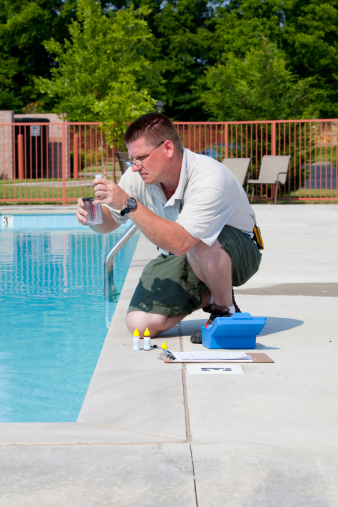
256, 357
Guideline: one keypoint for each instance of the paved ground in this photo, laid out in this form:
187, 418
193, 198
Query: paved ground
153, 434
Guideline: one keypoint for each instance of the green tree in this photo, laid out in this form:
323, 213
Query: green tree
8, 97
310, 41
189, 36
183, 32
238, 22
23, 26
306, 30
256, 87
100, 71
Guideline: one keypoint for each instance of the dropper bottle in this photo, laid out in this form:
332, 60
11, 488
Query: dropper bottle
136, 340
146, 340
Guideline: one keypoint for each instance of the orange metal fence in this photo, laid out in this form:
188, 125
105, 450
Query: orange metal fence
56, 162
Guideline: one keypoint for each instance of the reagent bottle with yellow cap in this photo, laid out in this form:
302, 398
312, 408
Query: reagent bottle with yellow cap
146, 340
136, 340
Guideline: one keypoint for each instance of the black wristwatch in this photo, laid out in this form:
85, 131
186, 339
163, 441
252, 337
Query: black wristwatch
131, 204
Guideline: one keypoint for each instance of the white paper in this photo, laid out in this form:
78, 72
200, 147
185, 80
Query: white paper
214, 369
217, 355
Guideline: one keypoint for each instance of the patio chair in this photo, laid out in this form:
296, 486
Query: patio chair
273, 171
121, 157
238, 166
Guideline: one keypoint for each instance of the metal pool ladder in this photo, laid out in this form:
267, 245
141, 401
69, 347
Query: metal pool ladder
109, 260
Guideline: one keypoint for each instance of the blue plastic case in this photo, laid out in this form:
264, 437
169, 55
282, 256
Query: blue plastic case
236, 332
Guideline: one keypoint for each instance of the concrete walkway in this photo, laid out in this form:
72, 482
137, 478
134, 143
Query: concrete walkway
153, 434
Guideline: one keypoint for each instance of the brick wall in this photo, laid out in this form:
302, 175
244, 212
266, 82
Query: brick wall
6, 144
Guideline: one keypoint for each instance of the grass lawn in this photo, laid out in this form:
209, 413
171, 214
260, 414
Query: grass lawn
36, 191
315, 193
50, 190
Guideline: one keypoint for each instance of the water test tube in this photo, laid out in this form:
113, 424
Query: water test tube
94, 210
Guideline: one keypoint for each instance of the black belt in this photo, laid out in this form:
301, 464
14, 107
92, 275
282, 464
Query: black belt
166, 256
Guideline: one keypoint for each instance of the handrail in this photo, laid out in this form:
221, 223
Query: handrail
109, 260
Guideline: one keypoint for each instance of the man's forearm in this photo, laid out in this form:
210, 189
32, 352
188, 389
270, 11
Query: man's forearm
162, 232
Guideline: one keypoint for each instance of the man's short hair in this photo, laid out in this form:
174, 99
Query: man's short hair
154, 128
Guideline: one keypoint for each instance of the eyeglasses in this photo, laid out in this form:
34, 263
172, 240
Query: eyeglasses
139, 161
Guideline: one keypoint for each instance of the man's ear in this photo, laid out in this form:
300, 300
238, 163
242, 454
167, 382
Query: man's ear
169, 147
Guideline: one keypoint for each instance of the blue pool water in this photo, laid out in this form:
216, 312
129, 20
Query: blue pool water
53, 317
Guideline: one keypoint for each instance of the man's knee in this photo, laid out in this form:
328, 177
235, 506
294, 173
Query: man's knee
142, 320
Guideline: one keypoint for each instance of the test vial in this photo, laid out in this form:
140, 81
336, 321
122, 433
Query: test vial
94, 210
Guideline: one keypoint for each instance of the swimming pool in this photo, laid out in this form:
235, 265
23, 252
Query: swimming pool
53, 315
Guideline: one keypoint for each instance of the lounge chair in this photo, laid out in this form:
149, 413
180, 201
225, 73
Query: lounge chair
273, 171
238, 166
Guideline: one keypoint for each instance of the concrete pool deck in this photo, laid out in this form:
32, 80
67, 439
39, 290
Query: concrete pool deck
153, 434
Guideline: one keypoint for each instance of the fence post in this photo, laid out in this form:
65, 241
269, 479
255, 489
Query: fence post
226, 141
273, 152
20, 157
76, 157
273, 138
63, 164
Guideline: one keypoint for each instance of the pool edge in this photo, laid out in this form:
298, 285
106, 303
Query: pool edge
97, 432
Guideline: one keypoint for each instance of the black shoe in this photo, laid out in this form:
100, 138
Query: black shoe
215, 311
208, 309
196, 337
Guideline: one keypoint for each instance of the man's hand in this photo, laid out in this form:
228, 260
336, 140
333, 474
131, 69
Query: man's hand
108, 224
108, 192
81, 213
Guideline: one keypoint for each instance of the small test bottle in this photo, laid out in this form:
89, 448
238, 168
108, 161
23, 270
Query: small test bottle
136, 340
146, 340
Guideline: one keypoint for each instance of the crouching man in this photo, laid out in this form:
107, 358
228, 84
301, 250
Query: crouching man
197, 214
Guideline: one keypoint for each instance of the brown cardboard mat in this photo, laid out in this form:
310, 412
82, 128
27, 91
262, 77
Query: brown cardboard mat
256, 357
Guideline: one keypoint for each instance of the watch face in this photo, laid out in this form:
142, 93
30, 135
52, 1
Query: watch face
131, 203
